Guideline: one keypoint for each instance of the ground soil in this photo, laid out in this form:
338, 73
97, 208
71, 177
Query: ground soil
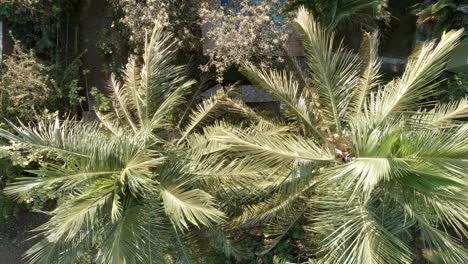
14, 236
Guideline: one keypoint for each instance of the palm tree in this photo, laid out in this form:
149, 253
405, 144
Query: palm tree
126, 187
373, 170
334, 12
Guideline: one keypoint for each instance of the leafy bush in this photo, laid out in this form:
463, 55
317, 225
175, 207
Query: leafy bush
136, 18
35, 84
30, 89
243, 31
25, 87
442, 15
457, 88
38, 23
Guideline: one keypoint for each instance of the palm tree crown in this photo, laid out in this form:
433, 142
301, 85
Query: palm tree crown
375, 170
126, 187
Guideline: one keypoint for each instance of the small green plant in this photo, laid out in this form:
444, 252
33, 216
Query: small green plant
457, 87
101, 102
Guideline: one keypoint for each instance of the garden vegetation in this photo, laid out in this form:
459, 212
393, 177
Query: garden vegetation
352, 169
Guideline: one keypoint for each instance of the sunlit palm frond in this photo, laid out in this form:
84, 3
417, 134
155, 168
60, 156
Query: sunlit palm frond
238, 174
335, 72
152, 91
62, 137
370, 77
394, 172
166, 110
287, 200
271, 149
128, 240
432, 214
205, 110
418, 81
359, 232
286, 89
133, 93
239, 107
121, 100
70, 222
108, 179
445, 115
448, 144
194, 207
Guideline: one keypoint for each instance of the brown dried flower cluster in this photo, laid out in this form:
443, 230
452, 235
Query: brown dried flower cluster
242, 31
179, 17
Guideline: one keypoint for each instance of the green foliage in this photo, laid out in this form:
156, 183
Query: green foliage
36, 84
335, 12
25, 85
443, 14
374, 172
112, 47
30, 88
125, 188
51, 72
101, 102
8, 207
14, 159
457, 88
37, 23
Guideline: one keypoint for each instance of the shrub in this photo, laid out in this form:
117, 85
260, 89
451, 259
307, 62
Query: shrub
26, 85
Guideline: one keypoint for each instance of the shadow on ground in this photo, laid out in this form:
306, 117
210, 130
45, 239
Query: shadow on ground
14, 236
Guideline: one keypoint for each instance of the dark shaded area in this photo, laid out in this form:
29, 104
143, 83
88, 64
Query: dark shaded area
14, 236
95, 15
397, 39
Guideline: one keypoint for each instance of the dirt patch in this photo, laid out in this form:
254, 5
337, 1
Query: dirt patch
14, 236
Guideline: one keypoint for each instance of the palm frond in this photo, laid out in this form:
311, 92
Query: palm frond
133, 93
239, 107
431, 213
68, 137
127, 240
444, 115
360, 233
270, 149
167, 108
121, 100
417, 82
285, 89
150, 92
280, 228
194, 207
334, 72
205, 110
370, 77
